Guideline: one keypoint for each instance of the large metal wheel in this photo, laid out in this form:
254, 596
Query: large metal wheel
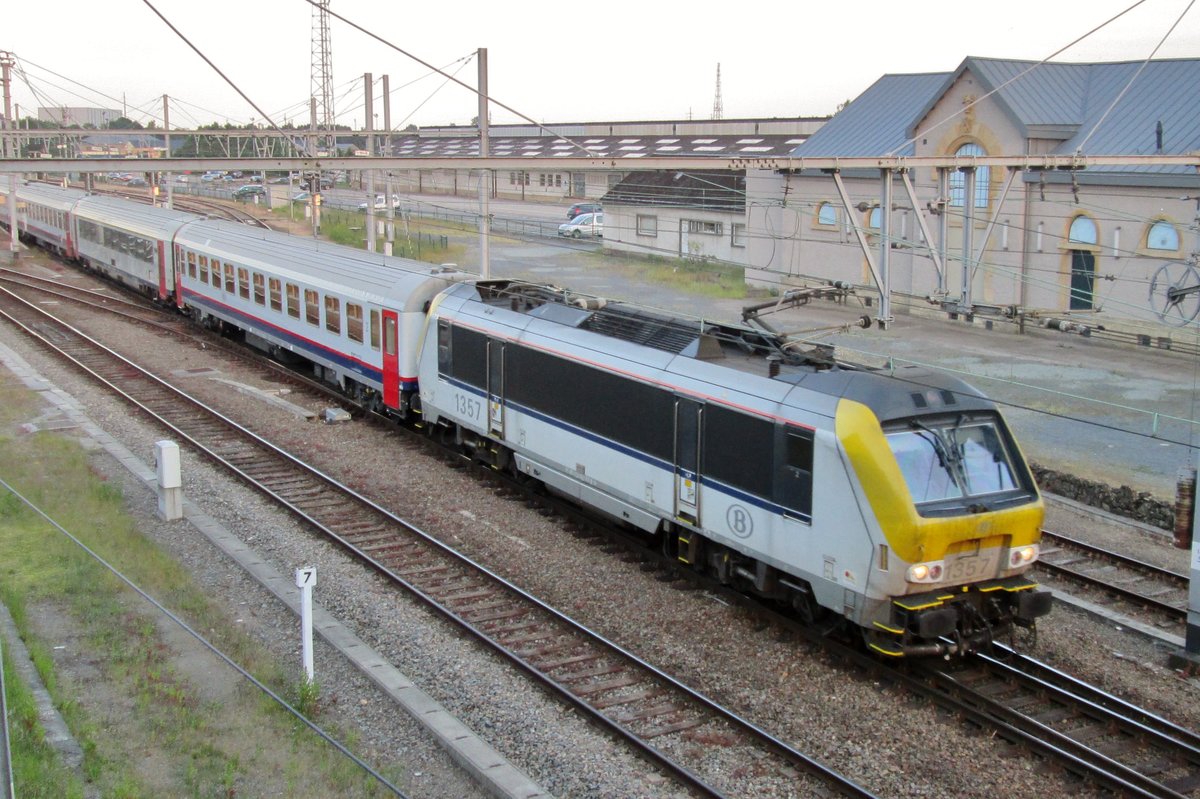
1167, 299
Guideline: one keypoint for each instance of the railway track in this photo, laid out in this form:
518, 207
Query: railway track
661, 718
185, 202
137, 309
1117, 578
1096, 736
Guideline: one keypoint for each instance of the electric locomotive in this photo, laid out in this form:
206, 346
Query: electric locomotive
897, 504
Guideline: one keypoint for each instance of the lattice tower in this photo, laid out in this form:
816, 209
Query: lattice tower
718, 108
322, 73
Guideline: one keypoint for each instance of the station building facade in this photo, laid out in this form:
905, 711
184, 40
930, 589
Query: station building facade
1081, 241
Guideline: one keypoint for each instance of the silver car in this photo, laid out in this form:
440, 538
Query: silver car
583, 226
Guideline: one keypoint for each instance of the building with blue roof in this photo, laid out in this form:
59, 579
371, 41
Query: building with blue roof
1103, 240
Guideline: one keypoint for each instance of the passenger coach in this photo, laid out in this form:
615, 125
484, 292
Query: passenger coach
44, 216
128, 242
357, 318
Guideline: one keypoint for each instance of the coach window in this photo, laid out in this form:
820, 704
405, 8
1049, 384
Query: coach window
374, 329
203, 268
243, 283
276, 294
333, 315
191, 261
293, 300
230, 283
354, 320
260, 295
215, 271
312, 311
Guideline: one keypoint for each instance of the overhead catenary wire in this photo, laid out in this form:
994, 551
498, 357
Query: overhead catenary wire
211, 647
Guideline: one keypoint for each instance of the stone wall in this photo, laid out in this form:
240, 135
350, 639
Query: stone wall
1122, 501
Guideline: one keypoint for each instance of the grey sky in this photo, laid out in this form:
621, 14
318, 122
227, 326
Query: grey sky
554, 62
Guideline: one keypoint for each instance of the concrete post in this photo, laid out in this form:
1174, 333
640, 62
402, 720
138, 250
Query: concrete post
170, 482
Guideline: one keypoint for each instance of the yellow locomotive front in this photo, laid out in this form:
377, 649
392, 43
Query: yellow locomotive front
957, 524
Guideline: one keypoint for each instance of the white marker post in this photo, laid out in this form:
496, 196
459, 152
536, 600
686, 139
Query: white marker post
306, 578
170, 481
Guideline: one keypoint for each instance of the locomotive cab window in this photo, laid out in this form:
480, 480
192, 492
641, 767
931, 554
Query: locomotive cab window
950, 465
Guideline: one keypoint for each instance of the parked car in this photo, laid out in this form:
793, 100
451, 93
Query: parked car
583, 226
381, 203
300, 197
136, 182
583, 208
248, 191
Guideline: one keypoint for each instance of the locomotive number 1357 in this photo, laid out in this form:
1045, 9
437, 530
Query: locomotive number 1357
468, 406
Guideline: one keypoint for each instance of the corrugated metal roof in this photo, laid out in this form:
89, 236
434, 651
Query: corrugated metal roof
877, 121
1071, 102
722, 190
747, 146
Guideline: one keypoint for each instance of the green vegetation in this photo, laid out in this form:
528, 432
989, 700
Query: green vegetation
707, 279
154, 716
421, 239
37, 770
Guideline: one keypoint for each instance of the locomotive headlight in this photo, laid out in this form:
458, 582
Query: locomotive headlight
1022, 556
926, 572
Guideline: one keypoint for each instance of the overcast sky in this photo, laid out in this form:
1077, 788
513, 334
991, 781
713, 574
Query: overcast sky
550, 61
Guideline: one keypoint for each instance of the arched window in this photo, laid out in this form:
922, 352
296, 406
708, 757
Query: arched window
958, 180
827, 214
1162, 236
1083, 231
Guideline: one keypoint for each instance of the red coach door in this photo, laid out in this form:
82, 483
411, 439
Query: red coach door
162, 270
391, 362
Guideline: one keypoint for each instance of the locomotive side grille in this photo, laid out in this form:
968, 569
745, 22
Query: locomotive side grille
661, 333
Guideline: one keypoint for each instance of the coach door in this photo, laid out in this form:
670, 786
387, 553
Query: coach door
687, 460
495, 387
391, 361
162, 270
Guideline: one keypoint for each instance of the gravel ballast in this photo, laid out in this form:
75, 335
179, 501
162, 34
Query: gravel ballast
885, 741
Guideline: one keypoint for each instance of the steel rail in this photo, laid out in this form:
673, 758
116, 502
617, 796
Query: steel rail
160, 409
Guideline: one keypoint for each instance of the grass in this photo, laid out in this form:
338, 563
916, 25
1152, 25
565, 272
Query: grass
156, 733
422, 240
703, 278
36, 767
